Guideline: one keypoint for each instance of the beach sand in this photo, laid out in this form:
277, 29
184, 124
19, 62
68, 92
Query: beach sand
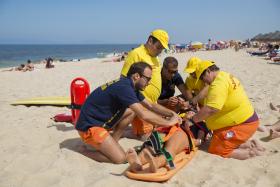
35, 151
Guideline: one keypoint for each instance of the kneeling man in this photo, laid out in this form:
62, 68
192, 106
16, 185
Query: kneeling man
113, 106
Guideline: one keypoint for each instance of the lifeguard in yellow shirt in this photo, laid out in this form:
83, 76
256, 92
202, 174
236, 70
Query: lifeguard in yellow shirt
148, 52
228, 113
196, 91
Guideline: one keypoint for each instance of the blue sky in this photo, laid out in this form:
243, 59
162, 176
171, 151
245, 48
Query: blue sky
128, 21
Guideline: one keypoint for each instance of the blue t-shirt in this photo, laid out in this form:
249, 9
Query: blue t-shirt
107, 103
168, 87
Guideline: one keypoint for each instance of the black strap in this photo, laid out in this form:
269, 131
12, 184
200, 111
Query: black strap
75, 106
156, 143
191, 144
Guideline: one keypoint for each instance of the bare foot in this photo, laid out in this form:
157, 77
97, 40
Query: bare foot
151, 160
262, 128
272, 107
273, 134
257, 145
257, 152
133, 160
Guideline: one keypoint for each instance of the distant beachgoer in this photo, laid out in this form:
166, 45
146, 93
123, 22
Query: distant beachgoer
29, 66
49, 63
21, 67
274, 52
209, 44
118, 58
269, 48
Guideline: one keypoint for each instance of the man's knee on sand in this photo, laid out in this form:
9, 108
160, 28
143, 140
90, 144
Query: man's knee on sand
120, 160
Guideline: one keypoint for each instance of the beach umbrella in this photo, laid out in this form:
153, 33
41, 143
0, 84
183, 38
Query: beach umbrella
197, 45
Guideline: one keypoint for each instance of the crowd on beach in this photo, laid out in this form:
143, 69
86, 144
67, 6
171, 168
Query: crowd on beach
29, 66
213, 108
268, 51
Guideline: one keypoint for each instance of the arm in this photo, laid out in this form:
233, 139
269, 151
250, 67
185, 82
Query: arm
170, 102
163, 102
202, 94
158, 109
204, 113
153, 118
183, 89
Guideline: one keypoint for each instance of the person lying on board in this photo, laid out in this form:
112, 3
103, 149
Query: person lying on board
113, 106
160, 149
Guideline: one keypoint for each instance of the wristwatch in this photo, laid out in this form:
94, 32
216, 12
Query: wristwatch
190, 102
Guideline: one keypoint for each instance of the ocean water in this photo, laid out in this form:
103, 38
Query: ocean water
13, 55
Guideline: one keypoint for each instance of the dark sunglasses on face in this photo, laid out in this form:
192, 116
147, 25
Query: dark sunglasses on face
148, 79
172, 71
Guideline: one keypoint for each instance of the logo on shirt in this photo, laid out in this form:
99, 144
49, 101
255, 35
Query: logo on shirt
104, 86
229, 134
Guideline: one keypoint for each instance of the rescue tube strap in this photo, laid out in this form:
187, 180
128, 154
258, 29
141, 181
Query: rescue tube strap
75, 106
156, 142
188, 133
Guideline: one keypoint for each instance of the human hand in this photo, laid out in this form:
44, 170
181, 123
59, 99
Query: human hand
175, 119
184, 105
172, 101
189, 115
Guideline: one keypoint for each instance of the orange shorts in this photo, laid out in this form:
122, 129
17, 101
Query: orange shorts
141, 127
225, 140
94, 136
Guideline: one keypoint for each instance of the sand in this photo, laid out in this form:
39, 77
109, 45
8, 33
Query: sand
35, 151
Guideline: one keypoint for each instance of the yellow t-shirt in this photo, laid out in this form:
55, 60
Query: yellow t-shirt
227, 95
196, 88
140, 54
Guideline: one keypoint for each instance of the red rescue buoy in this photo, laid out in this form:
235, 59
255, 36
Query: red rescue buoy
79, 90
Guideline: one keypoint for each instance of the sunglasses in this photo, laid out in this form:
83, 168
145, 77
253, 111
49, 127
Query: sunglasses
148, 79
172, 71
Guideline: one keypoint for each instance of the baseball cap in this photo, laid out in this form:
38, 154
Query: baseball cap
192, 64
162, 36
202, 66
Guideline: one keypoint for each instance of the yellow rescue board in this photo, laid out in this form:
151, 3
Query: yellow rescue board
53, 100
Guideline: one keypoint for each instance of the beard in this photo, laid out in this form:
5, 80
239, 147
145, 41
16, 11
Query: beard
139, 87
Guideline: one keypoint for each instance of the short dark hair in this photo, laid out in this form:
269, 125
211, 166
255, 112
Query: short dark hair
138, 67
170, 60
211, 68
154, 39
